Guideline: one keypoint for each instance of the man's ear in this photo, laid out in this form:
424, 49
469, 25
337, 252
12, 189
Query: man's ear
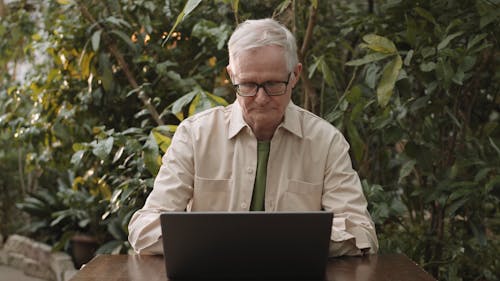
296, 74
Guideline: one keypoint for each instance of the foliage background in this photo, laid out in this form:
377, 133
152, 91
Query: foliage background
91, 93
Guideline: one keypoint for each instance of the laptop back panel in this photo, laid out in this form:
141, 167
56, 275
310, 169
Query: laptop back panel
249, 245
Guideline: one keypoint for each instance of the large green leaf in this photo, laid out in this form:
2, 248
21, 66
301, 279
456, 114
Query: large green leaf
406, 169
118, 154
444, 71
218, 33
163, 135
216, 100
443, 44
427, 66
321, 64
357, 144
379, 44
151, 155
96, 39
369, 58
425, 14
179, 104
475, 40
199, 104
102, 148
188, 8
77, 157
387, 82
327, 73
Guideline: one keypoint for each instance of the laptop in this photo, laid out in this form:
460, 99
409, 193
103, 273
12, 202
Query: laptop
246, 245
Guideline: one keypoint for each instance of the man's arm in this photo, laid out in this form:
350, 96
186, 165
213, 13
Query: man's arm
353, 231
172, 191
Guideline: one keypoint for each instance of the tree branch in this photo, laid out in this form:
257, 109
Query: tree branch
3, 9
310, 98
235, 5
309, 31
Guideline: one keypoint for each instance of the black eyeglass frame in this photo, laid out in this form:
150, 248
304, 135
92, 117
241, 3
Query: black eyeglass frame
263, 86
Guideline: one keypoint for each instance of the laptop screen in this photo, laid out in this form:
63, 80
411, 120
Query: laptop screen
246, 245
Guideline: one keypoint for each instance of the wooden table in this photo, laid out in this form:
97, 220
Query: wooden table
152, 268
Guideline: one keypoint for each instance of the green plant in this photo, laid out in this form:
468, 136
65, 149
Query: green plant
15, 182
40, 206
432, 142
57, 215
106, 96
125, 164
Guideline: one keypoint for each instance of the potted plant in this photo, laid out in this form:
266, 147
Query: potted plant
83, 229
69, 218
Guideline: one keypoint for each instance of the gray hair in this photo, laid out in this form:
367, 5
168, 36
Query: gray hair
260, 33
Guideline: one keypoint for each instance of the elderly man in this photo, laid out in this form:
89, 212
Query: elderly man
261, 153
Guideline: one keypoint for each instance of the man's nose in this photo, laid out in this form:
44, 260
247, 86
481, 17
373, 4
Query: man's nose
261, 94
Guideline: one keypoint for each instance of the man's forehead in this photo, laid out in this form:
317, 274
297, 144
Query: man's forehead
269, 56
254, 76
253, 51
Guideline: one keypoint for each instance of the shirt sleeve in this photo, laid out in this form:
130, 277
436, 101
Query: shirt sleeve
172, 191
353, 231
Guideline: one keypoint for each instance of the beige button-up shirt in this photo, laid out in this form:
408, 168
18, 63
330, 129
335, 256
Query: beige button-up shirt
211, 163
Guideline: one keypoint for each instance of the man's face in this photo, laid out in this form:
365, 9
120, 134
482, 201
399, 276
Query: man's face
259, 65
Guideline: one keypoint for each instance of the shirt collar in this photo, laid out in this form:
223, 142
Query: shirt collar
290, 123
236, 123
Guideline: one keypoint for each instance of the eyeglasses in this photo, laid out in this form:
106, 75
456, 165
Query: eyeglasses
272, 88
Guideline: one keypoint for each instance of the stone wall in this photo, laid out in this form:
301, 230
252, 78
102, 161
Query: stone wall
36, 259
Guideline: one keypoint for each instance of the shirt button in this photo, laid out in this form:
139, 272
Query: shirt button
249, 170
243, 205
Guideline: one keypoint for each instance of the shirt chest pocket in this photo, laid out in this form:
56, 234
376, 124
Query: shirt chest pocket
301, 196
211, 194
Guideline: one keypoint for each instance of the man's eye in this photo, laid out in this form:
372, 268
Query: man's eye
273, 83
275, 86
246, 86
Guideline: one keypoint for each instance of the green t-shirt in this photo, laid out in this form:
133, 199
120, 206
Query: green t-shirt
259, 189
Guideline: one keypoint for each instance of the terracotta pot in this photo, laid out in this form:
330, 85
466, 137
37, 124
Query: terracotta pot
83, 249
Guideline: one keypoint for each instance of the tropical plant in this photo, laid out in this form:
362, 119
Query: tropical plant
413, 85
444, 167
